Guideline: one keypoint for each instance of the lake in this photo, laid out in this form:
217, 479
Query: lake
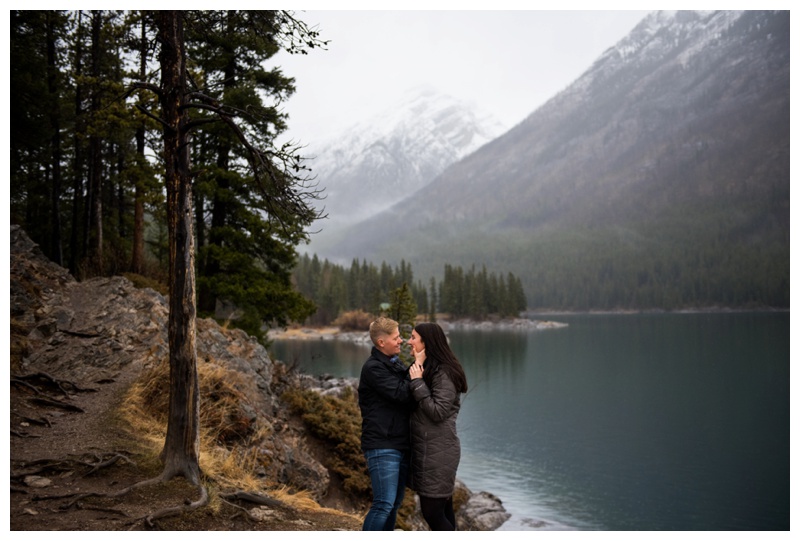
619, 422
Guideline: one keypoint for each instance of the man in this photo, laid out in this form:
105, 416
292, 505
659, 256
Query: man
386, 403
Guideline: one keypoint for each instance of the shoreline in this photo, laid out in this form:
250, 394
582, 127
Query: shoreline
533, 321
334, 333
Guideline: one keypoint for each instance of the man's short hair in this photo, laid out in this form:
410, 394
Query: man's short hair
382, 326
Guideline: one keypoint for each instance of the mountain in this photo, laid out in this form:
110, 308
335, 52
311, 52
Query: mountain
659, 178
376, 163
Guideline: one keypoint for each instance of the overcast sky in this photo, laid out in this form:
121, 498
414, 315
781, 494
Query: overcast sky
506, 62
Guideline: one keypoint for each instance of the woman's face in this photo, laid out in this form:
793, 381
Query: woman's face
416, 342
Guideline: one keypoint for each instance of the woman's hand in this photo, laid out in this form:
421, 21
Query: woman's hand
415, 371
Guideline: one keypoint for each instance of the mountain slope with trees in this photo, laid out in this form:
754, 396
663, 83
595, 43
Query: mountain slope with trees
658, 179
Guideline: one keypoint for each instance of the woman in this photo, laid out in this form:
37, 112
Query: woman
437, 381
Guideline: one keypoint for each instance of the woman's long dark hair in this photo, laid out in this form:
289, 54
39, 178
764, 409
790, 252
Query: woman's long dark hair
438, 353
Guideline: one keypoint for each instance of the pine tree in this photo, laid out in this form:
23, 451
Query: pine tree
272, 178
247, 255
432, 301
403, 309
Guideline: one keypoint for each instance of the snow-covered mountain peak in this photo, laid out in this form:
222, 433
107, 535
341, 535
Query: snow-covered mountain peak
423, 113
376, 163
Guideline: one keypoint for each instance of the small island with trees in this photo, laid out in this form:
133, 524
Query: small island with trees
348, 299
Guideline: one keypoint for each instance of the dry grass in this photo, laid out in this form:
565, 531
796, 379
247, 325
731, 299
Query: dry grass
228, 435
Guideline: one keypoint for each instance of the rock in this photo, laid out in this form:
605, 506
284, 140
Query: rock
482, 511
327, 385
36, 481
263, 513
236, 349
479, 511
296, 467
535, 524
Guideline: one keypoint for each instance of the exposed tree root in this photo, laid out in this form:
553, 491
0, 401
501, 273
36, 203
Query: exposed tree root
178, 509
106, 462
240, 511
55, 404
252, 497
26, 385
20, 434
111, 510
46, 380
92, 461
76, 499
41, 421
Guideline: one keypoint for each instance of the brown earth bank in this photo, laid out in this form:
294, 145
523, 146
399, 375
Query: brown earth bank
88, 384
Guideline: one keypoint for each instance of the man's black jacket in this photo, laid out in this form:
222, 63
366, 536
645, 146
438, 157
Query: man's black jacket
386, 402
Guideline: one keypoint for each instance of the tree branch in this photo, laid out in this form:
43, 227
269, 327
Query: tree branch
154, 117
141, 85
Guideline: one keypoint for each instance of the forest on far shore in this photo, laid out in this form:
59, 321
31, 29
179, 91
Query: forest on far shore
471, 293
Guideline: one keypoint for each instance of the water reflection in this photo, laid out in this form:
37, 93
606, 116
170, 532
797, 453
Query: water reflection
493, 359
338, 358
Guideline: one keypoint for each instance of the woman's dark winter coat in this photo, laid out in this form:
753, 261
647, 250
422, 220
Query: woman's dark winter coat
436, 449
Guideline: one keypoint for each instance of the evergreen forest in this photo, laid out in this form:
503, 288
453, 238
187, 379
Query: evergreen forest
472, 293
88, 165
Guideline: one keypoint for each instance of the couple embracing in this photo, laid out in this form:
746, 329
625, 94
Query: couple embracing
408, 431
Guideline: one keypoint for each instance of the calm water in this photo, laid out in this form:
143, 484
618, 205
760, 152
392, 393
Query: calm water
620, 422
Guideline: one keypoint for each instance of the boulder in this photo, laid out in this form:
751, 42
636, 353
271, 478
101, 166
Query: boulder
482, 512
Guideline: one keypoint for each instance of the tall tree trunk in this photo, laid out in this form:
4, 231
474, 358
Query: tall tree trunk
95, 159
55, 125
121, 166
137, 257
77, 243
181, 448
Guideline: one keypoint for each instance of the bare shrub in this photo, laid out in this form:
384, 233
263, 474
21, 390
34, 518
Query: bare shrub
354, 320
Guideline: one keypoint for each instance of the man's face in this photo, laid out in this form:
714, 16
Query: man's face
390, 343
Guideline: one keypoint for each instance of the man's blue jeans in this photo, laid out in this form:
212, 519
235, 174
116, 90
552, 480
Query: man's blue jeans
388, 469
